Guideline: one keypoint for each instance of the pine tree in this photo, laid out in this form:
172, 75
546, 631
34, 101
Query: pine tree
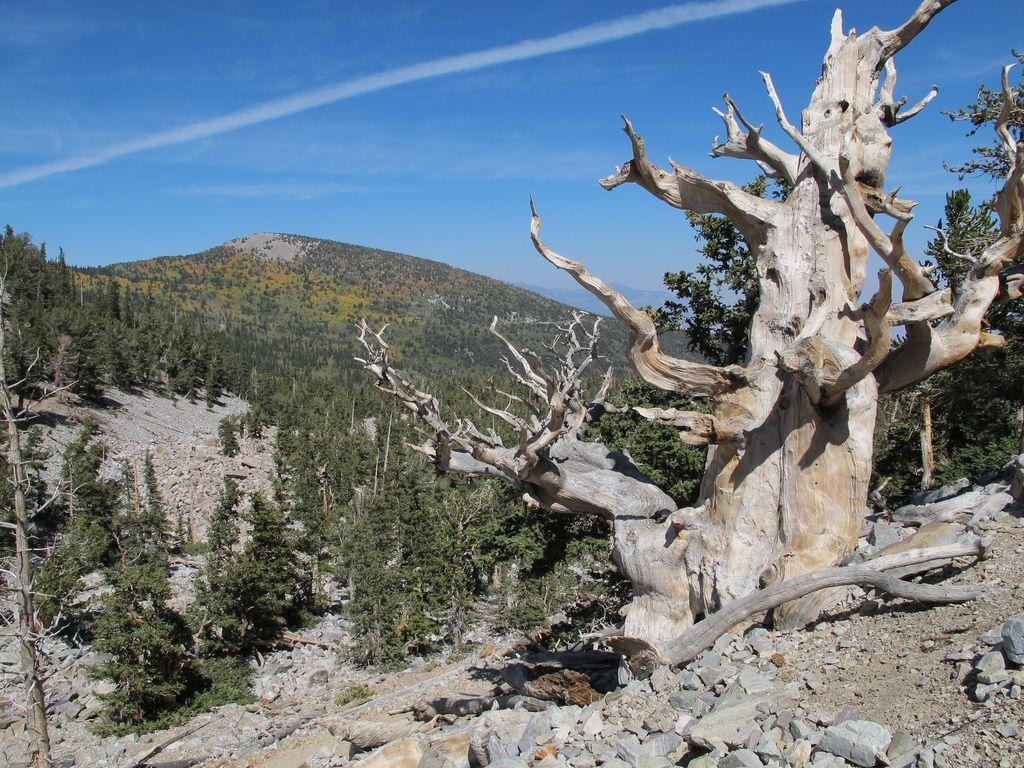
217, 614
251, 595
148, 641
267, 564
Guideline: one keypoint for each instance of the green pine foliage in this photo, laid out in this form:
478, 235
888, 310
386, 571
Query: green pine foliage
148, 641
78, 329
717, 300
657, 450
149, 644
227, 432
990, 159
246, 595
88, 507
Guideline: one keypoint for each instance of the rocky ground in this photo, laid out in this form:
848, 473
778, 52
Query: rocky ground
875, 682
180, 436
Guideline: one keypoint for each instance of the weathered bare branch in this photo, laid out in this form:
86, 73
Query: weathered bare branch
695, 428
509, 418
816, 158
655, 367
703, 634
891, 42
1009, 201
903, 116
945, 246
934, 306
688, 190
889, 109
751, 145
890, 247
931, 348
533, 380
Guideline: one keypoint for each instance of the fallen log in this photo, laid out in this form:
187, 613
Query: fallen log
566, 686
297, 639
445, 705
160, 746
290, 639
370, 734
704, 633
568, 677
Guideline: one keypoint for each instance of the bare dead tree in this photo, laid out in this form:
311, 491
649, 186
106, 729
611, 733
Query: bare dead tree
790, 430
28, 629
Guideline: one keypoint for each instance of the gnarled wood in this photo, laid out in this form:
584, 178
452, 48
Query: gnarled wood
790, 431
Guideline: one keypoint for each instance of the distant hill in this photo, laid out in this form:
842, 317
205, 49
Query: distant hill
289, 301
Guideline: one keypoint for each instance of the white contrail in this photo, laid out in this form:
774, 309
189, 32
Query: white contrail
628, 26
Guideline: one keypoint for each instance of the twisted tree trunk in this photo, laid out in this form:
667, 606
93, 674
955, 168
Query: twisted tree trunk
790, 431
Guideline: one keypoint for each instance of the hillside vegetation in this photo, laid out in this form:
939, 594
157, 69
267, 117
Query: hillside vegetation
289, 303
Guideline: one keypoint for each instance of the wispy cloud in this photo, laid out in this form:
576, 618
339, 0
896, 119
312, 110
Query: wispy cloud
284, 190
582, 37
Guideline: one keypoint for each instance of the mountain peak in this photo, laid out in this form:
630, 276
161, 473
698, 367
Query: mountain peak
272, 246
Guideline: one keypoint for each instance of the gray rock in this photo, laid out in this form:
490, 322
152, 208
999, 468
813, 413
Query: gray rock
728, 724
593, 725
689, 680
655, 762
799, 753
991, 638
723, 642
661, 721
630, 749
566, 716
753, 682
939, 494
741, 758
661, 678
760, 640
662, 744
69, 709
903, 742
683, 725
320, 677
1013, 639
104, 687
539, 724
884, 534
828, 760
860, 741
983, 692
800, 728
768, 748
683, 699
712, 658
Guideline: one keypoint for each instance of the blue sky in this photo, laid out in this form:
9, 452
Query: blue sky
367, 123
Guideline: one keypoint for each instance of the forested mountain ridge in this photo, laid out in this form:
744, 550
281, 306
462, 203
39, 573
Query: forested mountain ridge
290, 302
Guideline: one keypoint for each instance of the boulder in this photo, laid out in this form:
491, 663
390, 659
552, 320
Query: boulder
862, 742
1013, 639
